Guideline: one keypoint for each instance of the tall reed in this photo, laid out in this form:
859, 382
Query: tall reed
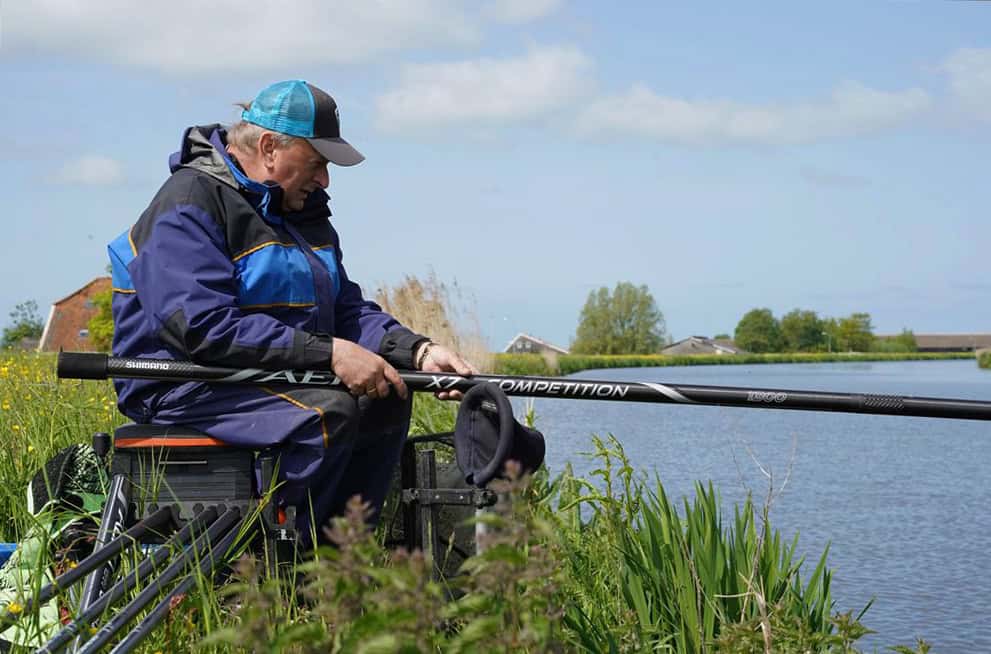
439, 310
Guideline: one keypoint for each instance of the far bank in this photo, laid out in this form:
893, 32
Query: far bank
566, 364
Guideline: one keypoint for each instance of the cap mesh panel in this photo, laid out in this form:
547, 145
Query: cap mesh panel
285, 107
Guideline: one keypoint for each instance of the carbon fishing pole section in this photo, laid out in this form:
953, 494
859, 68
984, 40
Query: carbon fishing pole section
87, 365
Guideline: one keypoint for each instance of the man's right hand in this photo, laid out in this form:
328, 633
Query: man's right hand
364, 372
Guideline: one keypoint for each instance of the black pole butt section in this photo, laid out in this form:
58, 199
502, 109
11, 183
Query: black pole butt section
207, 567
129, 582
81, 365
206, 547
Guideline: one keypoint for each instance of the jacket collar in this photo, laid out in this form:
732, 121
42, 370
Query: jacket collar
204, 148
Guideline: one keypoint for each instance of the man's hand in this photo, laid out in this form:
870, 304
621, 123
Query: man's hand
363, 372
437, 358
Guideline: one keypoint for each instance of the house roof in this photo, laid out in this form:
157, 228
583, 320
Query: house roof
701, 345
103, 283
70, 316
538, 341
949, 341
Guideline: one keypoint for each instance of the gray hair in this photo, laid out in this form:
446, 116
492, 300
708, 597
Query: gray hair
244, 135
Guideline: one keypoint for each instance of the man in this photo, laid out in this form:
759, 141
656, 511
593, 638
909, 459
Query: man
236, 263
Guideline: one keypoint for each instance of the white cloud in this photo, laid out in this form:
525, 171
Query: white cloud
183, 36
520, 11
852, 108
969, 70
90, 170
485, 91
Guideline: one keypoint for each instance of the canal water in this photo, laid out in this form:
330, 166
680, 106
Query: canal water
904, 503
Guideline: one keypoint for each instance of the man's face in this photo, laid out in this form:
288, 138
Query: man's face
299, 170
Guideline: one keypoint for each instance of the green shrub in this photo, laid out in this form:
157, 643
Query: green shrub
523, 364
984, 358
572, 363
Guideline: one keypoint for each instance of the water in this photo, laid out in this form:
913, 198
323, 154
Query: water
904, 502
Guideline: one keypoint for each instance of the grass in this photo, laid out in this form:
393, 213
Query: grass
984, 358
608, 564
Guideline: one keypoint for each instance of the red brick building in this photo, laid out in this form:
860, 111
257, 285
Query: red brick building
67, 325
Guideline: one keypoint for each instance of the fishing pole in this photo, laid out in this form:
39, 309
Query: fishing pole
88, 365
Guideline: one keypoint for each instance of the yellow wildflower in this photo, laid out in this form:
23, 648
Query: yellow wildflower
15, 608
30, 448
16, 427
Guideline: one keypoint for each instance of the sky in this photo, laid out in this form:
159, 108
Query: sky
824, 156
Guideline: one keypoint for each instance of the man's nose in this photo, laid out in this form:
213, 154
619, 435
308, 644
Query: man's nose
323, 177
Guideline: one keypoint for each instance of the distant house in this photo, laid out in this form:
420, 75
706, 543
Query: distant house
951, 342
526, 344
701, 345
67, 327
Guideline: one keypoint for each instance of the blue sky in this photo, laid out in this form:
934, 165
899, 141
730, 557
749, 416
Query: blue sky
828, 156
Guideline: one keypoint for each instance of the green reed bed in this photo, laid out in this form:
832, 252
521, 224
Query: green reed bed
534, 364
608, 564
984, 358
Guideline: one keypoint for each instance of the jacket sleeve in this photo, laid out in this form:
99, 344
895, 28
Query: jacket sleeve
188, 288
365, 323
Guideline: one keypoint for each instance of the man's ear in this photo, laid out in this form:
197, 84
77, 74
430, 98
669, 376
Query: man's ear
266, 147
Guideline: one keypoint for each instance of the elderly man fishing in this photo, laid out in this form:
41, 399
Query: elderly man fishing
235, 262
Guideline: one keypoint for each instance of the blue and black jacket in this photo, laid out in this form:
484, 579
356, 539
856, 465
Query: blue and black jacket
213, 273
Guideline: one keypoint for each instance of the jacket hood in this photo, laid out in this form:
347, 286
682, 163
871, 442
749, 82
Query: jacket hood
198, 151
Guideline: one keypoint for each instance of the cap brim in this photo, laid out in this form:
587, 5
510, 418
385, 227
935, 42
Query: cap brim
337, 151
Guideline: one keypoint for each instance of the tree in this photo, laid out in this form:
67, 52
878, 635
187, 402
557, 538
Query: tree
626, 321
802, 331
831, 329
758, 331
101, 325
25, 323
855, 333
904, 342
721, 337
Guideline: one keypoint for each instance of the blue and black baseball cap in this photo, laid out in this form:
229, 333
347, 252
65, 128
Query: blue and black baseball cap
297, 108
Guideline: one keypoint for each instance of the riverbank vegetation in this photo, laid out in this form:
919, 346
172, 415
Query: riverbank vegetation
609, 563
566, 364
984, 358
802, 330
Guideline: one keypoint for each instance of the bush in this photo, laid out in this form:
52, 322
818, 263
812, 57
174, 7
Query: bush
984, 358
572, 363
523, 364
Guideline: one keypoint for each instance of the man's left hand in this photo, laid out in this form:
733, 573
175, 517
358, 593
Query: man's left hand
441, 359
